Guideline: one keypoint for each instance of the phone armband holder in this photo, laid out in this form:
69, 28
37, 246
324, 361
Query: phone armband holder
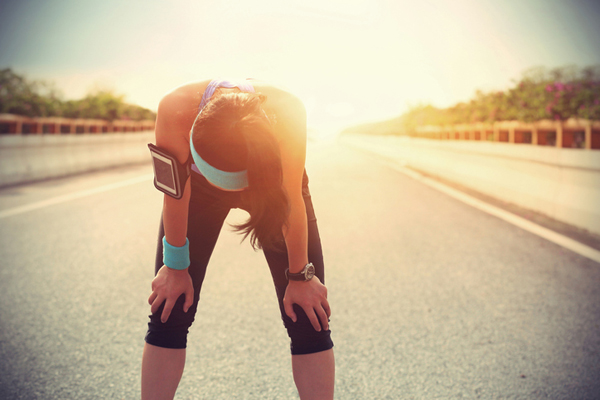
170, 175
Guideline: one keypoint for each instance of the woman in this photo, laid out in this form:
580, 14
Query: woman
247, 142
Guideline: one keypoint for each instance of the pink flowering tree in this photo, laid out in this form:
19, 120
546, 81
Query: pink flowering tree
558, 94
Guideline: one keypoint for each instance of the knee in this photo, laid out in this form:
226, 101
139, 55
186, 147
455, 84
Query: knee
303, 336
173, 333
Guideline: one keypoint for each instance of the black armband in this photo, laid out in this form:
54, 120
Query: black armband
170, 175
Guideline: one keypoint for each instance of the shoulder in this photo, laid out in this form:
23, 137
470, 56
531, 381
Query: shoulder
183, 100
279, 99
177, 111
289, 113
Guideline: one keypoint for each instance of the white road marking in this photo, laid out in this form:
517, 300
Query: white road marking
522, 223
72, 196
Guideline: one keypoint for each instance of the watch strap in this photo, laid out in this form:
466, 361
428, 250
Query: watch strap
306, 274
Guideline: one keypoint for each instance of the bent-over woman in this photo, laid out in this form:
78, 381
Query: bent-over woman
235, 144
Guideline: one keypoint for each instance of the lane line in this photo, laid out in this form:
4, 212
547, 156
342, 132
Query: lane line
511, 218
72, 196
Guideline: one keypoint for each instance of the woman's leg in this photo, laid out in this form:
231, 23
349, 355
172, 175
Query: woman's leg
164, 353
314, 375
313, 363
162, 369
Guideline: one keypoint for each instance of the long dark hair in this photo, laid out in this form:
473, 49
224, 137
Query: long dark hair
233, 133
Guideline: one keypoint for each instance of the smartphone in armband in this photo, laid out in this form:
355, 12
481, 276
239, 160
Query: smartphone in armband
170, 175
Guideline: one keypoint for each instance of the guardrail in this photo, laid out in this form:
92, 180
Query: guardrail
29, 158
17, 125
563, 183
573, 133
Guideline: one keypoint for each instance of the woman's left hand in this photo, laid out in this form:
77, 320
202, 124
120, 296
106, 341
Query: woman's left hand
312, 297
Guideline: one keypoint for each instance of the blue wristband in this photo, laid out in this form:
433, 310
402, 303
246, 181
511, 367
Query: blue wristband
176, 257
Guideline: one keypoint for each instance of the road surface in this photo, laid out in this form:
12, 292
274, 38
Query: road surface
431, 298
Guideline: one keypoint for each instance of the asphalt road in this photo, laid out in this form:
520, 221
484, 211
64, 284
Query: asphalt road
431, 298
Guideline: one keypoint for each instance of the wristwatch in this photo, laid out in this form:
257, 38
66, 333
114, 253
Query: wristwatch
305, 275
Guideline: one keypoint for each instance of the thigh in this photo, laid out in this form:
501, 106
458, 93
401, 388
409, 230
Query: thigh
207, 213
278, 261
304, 338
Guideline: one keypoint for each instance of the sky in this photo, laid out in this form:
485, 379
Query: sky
350, 61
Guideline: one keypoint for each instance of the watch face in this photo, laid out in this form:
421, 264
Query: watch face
310, 272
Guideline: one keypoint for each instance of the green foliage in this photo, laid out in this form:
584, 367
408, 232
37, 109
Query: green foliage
41, 99
560, 94
19, 96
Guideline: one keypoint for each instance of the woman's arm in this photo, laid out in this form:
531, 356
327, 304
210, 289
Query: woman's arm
172, 134
173, 124
310, 295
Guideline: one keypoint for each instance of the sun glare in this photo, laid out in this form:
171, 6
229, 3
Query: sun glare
350, 61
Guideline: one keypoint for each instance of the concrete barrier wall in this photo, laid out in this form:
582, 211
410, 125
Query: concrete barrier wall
28, 158
561, 183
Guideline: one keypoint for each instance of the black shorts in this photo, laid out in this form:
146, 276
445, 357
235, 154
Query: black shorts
208, 209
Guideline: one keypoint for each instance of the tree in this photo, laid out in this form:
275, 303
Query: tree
560, 94
19, 96
42, 99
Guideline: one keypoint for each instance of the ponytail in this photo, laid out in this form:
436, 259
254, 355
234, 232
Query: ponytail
266, 198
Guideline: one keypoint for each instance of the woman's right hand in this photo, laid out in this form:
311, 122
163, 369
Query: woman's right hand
167, 286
